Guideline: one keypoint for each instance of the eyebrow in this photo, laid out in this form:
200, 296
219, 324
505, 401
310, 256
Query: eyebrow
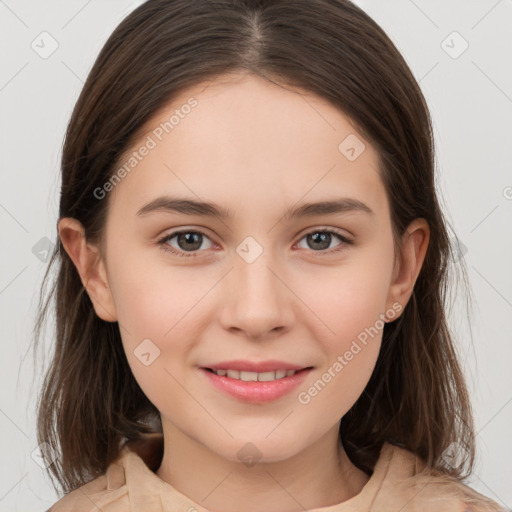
191, 206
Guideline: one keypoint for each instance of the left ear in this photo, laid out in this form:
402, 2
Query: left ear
413, 250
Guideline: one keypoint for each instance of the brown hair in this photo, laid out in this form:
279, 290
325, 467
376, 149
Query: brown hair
416, 397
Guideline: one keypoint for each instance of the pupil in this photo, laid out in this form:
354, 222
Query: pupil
321, 237
190, 237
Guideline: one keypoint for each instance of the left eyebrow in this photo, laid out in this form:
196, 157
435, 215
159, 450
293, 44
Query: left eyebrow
190, 206
343, 205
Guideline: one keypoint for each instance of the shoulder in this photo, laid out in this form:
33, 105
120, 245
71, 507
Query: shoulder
130, 477
443, 493
409, 484
103, 493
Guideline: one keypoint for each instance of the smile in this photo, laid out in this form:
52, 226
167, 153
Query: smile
256, 387
254, 376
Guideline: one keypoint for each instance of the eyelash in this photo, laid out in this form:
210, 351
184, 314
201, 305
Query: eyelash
162, 242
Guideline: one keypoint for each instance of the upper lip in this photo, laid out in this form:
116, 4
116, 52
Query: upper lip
253, 366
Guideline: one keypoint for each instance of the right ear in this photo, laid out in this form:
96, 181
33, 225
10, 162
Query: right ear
90, 266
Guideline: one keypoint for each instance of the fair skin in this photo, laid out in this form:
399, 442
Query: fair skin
256, 149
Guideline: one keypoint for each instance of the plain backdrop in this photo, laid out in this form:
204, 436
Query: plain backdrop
460, 53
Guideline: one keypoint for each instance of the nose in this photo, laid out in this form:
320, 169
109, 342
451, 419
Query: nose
257, 301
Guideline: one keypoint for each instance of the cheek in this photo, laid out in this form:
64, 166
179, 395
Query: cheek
155, 308
153, 301
347, 300
349, 303
156, 313
350, 333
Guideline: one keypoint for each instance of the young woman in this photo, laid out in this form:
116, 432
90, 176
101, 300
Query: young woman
250, 303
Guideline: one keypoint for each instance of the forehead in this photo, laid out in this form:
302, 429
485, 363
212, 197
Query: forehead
246, 142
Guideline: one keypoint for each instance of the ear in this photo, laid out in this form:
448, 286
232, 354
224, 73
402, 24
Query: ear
90, 266
407, 268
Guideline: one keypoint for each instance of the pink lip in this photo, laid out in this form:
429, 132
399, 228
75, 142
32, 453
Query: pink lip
257, 392
251, 366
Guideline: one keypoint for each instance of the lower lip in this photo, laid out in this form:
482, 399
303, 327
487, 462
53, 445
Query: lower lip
255, 391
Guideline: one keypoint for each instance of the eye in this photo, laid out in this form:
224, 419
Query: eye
321, 239
187, 241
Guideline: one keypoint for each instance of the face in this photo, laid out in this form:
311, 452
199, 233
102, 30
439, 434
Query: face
192, 290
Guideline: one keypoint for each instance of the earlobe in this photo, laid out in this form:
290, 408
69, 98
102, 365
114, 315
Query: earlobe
413, 251
90, 266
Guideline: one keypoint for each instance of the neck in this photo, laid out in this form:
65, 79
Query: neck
321, 475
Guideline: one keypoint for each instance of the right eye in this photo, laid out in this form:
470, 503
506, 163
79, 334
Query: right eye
184, 238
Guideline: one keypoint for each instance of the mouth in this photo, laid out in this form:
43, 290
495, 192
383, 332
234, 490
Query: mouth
256, 387
248, 376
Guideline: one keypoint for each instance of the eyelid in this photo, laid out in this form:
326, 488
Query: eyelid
328, 229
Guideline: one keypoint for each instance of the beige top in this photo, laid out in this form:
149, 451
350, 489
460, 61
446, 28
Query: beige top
397, 484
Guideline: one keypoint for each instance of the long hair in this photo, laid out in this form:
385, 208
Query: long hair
416, 397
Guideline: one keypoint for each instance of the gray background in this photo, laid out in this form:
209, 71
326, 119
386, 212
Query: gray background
470, 96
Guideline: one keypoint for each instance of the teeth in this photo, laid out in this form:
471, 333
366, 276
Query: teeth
254, 376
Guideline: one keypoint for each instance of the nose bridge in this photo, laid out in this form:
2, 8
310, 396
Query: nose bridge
256, 281
257, 299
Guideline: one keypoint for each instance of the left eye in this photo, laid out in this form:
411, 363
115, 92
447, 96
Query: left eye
323, 238
190, 241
